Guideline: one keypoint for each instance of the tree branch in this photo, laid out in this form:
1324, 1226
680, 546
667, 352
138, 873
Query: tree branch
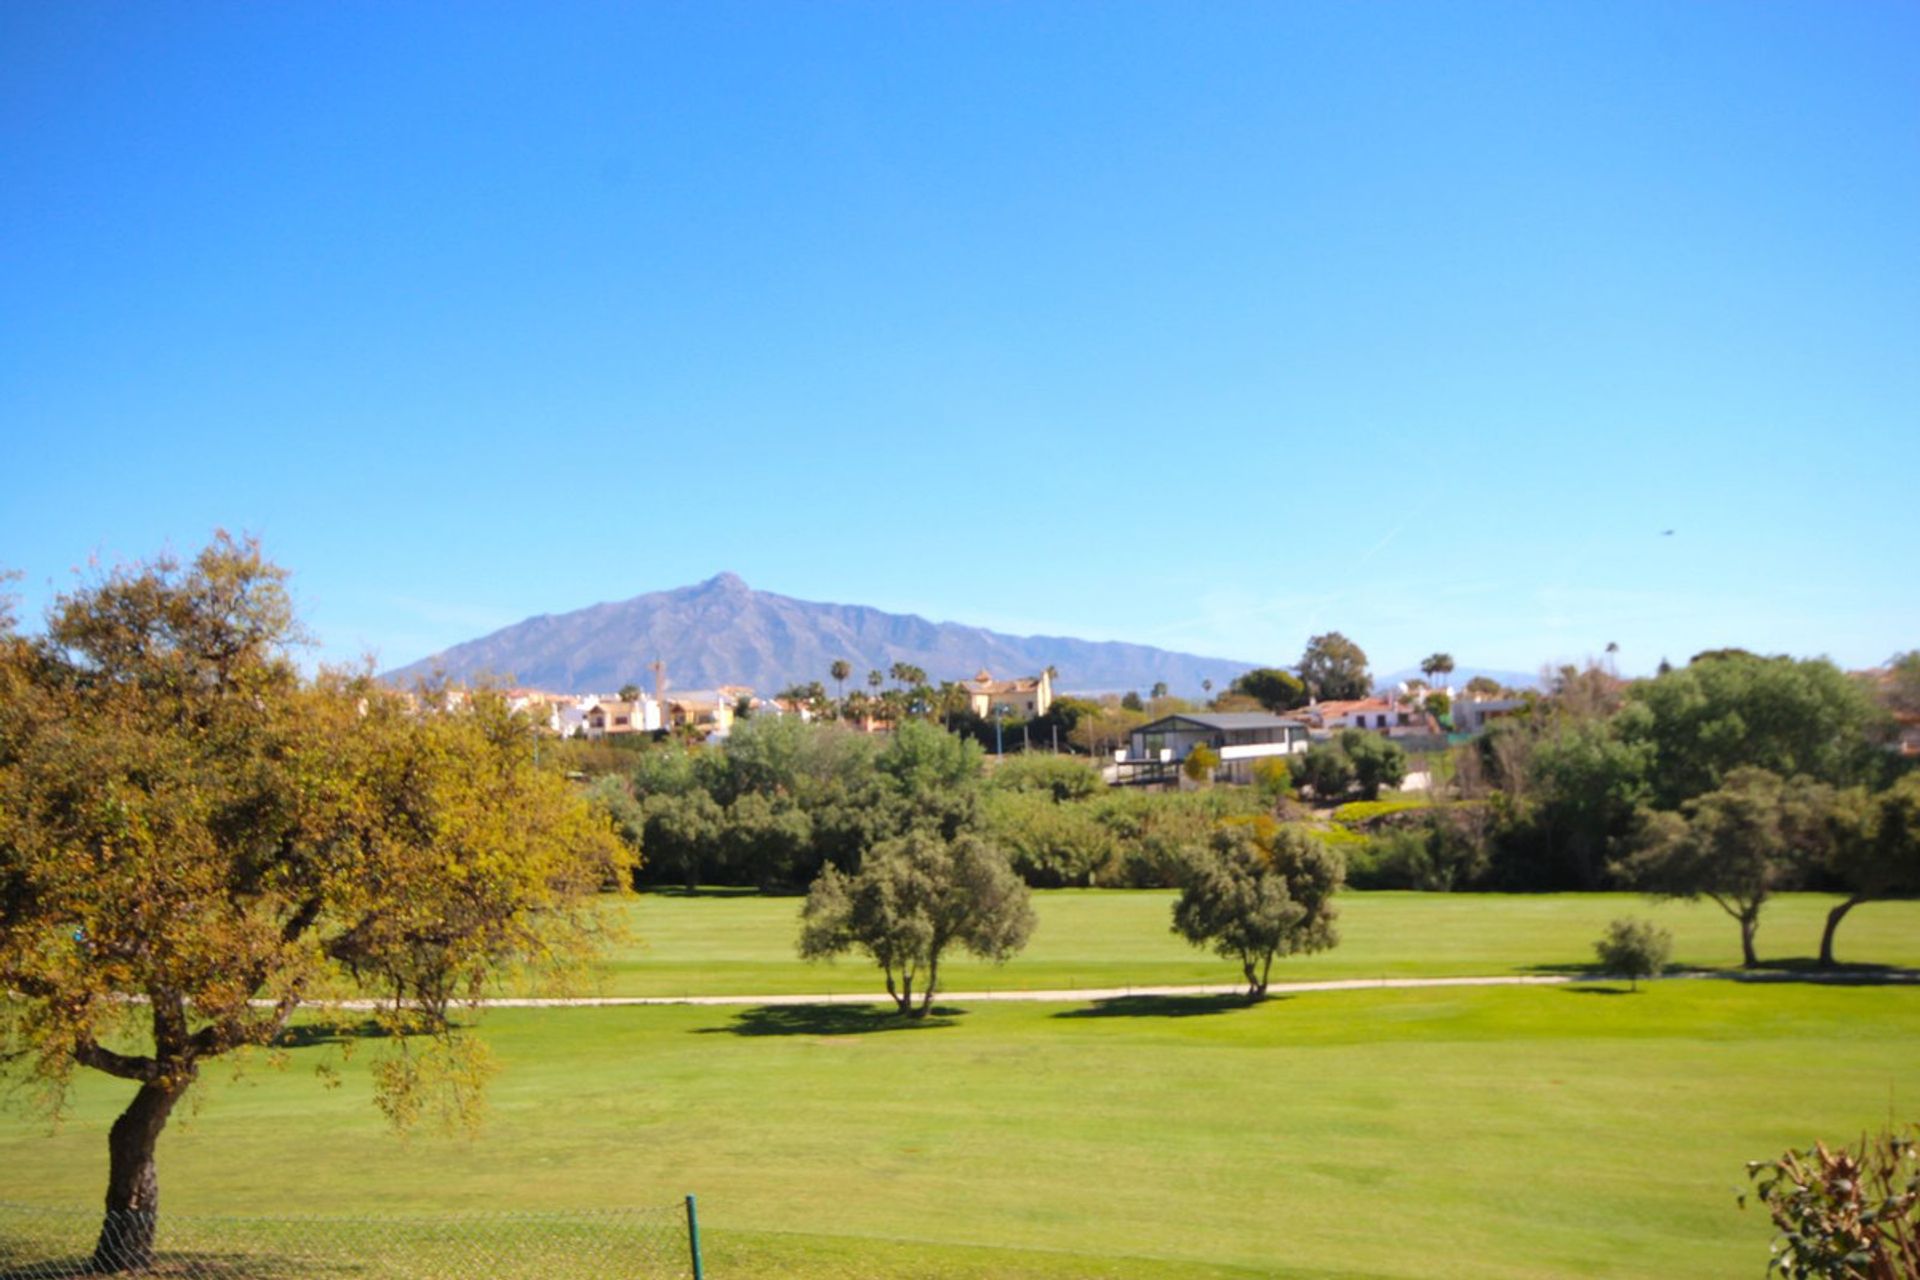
89, 1053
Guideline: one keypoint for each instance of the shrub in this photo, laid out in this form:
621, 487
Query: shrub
1062, 777
1844, 1214
1636, 948
1200, 763
1272, 779
1327, 770
1436, 855
1355, 812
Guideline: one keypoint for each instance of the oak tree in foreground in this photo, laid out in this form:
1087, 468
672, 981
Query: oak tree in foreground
195, 838
1253, 893
912, 899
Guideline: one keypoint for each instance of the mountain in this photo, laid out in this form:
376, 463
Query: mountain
724, 632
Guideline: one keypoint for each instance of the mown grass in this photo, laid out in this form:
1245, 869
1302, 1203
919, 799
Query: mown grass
724, 943
1500, 1132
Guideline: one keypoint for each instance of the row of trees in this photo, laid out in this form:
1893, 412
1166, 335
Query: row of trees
1251, 891
1732, 778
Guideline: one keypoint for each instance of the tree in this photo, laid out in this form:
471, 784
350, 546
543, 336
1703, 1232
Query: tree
186, 820
1438, 664
1130, 701
1159, 689
629, 692
1334, 667
1326, 770
875, 680
1635, 949
1902, 685
914, 897
840, 670
1484, 687
1875, 852
1276, 690
1735, 846
1252, 895
1727, 709
1378, 762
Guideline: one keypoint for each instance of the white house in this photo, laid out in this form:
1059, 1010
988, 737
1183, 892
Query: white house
1155, 750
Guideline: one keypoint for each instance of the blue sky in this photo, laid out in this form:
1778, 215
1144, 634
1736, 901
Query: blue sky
1202, 325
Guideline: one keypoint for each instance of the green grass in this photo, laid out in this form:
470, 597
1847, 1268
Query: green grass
744, 944
1497, 1132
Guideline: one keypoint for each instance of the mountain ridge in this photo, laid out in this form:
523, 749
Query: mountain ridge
721, 631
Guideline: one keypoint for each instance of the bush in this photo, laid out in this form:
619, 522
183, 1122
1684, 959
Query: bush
1437, 855
1327, 770
1062, 777
1634, 948
1272, 779
1846, 1214
1200, 763
1378, 763
1356, 812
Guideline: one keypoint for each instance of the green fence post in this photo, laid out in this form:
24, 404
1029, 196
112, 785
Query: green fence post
693, 1239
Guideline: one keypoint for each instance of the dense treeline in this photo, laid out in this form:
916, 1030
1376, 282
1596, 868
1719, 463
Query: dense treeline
1732, 778
784, 799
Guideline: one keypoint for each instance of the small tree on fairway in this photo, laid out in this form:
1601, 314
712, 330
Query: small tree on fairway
1634, 948
914, 897
1252, 895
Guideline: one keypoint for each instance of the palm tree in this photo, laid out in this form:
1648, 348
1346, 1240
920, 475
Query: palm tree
1438, 664
840, 670
875, 679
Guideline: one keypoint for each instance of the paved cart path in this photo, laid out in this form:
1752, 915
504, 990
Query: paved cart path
1062, 995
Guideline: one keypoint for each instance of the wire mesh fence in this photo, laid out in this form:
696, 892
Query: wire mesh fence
644, 1243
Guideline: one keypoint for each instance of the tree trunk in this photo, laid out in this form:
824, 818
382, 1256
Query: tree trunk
926, 997
1833, 924
1749, 925
133, 1186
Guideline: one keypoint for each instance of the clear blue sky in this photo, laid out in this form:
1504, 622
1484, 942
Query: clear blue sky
1203, 325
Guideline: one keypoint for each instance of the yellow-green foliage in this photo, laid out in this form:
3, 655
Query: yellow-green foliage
1360, 811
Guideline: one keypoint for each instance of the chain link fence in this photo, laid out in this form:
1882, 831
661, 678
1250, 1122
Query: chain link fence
647, 1243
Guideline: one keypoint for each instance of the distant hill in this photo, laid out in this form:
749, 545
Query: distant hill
724, 632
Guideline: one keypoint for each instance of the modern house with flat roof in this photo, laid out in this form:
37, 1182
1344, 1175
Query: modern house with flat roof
1155, 750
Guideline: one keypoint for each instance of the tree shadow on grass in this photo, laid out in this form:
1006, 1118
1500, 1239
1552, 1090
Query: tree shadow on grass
306, 1035
1807, 969
707, 891
1166, 1006
1589, 989
829, 1020
187, 1265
